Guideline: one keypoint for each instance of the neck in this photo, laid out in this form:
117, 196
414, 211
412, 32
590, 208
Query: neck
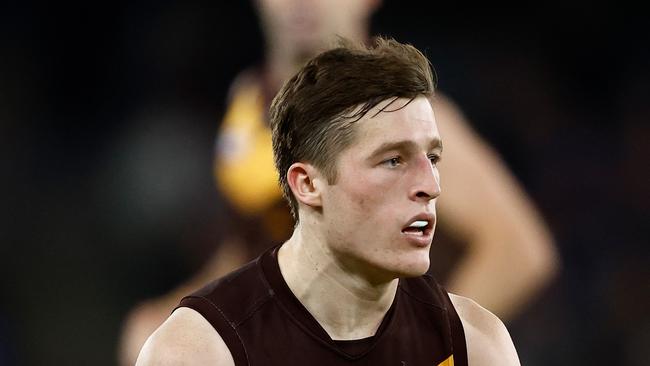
347, 305
281, 64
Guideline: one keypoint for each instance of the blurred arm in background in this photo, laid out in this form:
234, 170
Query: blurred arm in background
510, 253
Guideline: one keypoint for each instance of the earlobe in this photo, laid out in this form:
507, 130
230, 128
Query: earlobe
302, 179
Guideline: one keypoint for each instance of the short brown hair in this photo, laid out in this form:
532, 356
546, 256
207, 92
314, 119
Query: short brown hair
312, 115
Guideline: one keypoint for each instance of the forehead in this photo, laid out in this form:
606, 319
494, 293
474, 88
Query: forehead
398, 120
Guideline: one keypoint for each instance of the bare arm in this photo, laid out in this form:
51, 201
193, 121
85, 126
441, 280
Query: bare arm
510, 252
146, 317
488, 340
185, 338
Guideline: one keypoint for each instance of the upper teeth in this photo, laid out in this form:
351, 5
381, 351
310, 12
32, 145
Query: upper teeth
419, 224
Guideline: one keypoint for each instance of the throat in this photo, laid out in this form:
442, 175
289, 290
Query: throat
349, 320
345, 305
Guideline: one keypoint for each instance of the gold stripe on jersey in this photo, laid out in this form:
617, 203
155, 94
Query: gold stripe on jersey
447, 362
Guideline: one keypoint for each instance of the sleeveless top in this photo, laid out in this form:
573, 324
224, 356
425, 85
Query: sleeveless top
263, 323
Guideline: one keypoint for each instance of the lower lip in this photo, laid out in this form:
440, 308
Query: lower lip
420, 240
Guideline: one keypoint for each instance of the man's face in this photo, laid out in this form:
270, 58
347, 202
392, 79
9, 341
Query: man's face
307, 26
379, 216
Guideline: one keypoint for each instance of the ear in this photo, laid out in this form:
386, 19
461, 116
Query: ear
304, 180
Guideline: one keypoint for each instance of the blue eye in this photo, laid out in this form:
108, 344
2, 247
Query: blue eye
435, 159
393, 162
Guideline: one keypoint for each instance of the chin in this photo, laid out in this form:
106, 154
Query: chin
414, 266
415, 271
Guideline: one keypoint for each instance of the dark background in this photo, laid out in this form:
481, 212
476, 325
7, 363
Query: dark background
108, 114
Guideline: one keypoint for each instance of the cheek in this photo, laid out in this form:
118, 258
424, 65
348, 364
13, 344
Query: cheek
371, 199
365, 196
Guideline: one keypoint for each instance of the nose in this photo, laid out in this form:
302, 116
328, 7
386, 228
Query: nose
426, 181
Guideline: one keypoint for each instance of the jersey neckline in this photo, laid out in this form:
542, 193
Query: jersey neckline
280, 291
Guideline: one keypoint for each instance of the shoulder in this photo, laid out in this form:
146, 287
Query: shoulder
488, 340
185, 338
236, 294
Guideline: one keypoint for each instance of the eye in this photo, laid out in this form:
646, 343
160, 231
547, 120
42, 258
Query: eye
435, 159
393, 162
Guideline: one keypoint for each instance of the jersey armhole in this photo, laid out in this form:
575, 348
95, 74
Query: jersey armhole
459, 343
226, 329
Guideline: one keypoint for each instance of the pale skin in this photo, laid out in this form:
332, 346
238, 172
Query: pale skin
509, 254
354, 237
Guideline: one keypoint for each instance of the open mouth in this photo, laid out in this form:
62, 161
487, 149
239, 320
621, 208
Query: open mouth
418, 228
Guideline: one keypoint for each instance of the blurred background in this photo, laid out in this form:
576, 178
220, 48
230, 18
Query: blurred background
108, 115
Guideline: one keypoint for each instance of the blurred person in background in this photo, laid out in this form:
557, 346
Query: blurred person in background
507, 251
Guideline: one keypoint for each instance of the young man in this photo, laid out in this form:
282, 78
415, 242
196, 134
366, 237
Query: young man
356, 145
500, 257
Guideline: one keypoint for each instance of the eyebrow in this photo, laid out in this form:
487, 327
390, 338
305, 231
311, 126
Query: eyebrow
405, 145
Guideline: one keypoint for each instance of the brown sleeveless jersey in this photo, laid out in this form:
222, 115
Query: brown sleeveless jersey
263, 323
